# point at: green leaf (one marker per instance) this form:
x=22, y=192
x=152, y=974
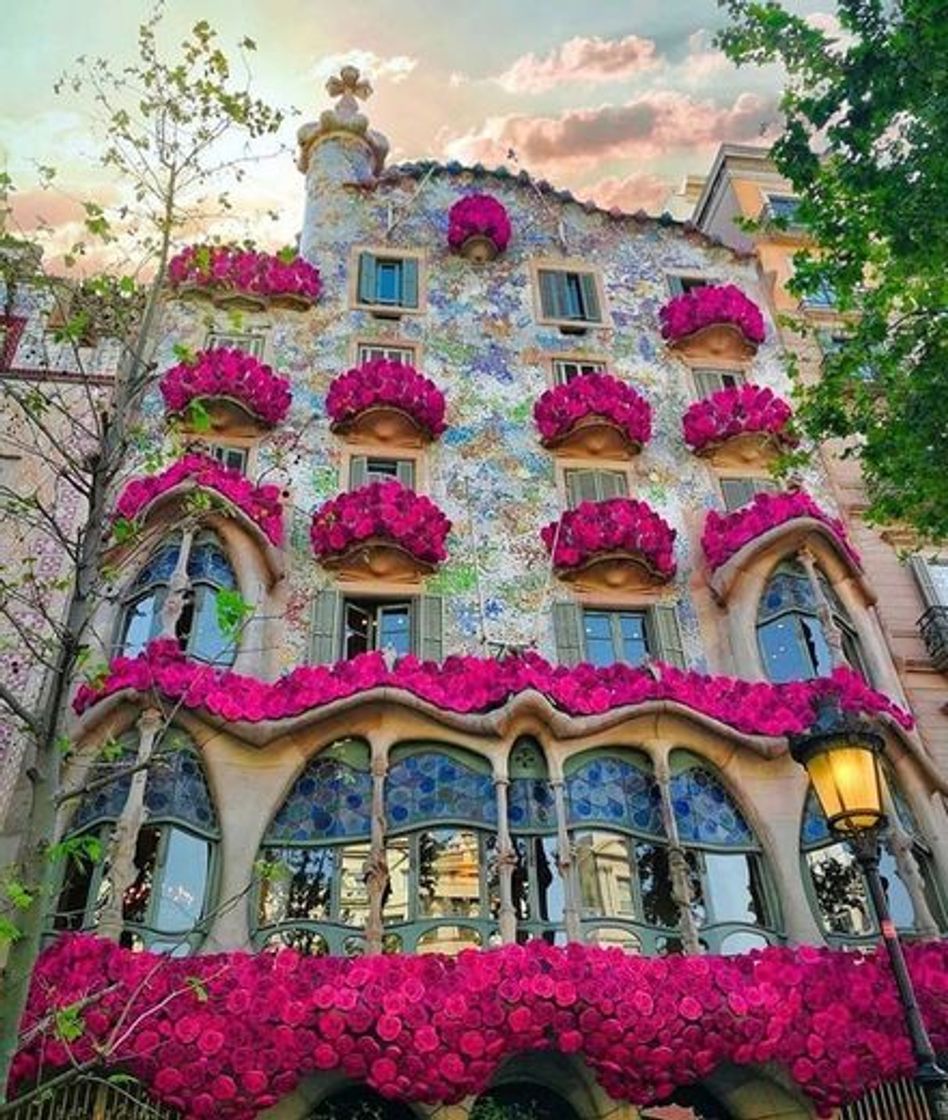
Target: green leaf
x=68, y=1023
x=198, y=416
x=123, y=530
x=198, y=987
x=232, y=611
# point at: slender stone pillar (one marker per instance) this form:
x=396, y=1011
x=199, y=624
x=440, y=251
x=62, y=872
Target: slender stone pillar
x=677, y=861
x=565, y=860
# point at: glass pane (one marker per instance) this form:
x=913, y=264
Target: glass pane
x=605, y=875
x=659, y=907
x=840, y=890
x=381, y=470
x=531, y=804
x=597, y=628
x=142, y=622
x=520, y=879
x=705, y=812
x=549, y=884
x=607, y=936
x=160, y=567
x=330, y=800
x=299, y=887
x=176, y=787
x=733, y=890
x=183, y=882
x=206, y=641
x=573, y=291
x=938, y=574
x=449, y=873
x=135, y=901
x=429, y=786
x=358, y=626
x=395, y=898
x=388, y=281
x=784, y=654
x=208, y=561
x=394, y=629
x=448, y=939
x=74, y=896
x=742, y=942
x=304, y=941
x=818, y=650
x=634, y=643
x=613, y=791
x=900, y=901
x=353, y=890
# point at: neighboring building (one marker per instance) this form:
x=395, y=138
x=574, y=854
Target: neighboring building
x=410, y=801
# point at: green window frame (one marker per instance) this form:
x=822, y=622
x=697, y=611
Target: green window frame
x=365, y=469
x=569, y=296
x=251, y=342
x=566, y=369
x=710, y=381
x=388, y=281
x=662, y=631
x=681, y=283
x=328, y=623
x=588, y=485
x=737, y=492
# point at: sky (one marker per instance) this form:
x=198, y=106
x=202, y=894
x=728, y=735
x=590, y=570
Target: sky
x=615, y=99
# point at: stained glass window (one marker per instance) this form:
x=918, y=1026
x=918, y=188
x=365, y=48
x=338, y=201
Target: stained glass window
x=614, y=791
x=705, y=813
x=428, y=785
x=331, y=800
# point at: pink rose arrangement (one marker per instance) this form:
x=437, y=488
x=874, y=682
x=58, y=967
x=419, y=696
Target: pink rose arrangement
x=472, y=684
x=231, y=268
x=737, y=411
x=479, y=215
x=594, y=394
x=381, y=383
x=383, y=512
x=228, y=1035
x=615, y=525
x=262, y=504
x=230, y=374
x=712, y=305
x=726, y=533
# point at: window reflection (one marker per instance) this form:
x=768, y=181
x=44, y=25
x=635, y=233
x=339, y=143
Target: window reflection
x=840, y=890
x=605, y=877
x=183, y=881
x=448, y=939
x=449, y=874
x=353, y=893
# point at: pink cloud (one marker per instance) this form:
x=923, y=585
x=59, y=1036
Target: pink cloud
x=639, y=191
x=591, y=61
x=644, y=128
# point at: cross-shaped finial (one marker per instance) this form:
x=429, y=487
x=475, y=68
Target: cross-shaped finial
x=349, y=84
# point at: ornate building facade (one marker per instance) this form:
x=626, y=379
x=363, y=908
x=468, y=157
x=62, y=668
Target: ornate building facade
x=461, y=614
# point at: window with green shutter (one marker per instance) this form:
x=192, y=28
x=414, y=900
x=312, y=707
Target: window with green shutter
x=364, y=469
x=604, y=636
x=568, y=296
x=584, y=485
x=388, y=281
x=680, y=284
x=711, y=381
x=344, y=627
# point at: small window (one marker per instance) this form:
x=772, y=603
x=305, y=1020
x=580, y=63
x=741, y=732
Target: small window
x=932, y=575
x=594, y=486
x=681, y=285
x=823, y=298
x=249, y=341
x=565, y=369
x=569, y=297
x=234, y=458
x=388, y=281
x=370, y=624
x=346, y=626
x=783, y=208
x=711, y=381
x=737, y=492
x=611, y=636
x=374, y=352
x=365, y=469
x=604, y=636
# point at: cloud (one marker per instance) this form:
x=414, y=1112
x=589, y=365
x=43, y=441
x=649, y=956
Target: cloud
x=591, y=61
x=646, y=127
x=395, y=68
x=639, y=191
x=703, y=60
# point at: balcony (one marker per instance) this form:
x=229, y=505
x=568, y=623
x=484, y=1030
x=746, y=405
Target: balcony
x=933, y=626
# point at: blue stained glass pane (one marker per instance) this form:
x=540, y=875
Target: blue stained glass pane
x=430, y=786
x=106, y=802
x=177, y=789
x=704, y=812
x=615, y=792
x=159, y=567
x=142, y=621
x=531, y=806
x=815, y=829
x=329, y=801
x=208, y=561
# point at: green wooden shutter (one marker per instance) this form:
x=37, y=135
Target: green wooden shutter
x=708, y=382
x=409, y=282
x=581, y=486
x=324, y=627
x=591, y=311
x=568, y=633
x=675, y=285
x=358, y=471
x=429, y=641
x=406, y=472
x=612, y=484
x=553, y=302
x=667, y=635
x=367, y=288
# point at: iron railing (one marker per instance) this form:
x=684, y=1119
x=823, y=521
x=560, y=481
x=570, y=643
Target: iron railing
x=934, y=630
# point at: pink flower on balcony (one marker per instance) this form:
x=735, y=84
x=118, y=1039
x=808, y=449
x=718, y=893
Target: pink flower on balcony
x=245, y=271
x=262, y=504
x=384, y=384
x=743, y=410
x=617, y=525
x=232, y=375
x=725, y=533
x=382, y=512
x=713, y=305
x=479, y=215
x=560, y=409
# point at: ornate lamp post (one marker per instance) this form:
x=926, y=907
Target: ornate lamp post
x=841, y=753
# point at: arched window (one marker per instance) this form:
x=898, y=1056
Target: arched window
x=312, y=893
x=790, y=634
x=197, y=629
x=837, y=888
x=441, y=819
x=165, y=907
x=622, y=856
x=537, y=885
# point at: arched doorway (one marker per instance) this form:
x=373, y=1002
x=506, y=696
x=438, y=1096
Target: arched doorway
x=522, y=1100
x=358, y=1103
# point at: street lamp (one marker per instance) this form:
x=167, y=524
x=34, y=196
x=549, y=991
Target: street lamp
x=841, y=754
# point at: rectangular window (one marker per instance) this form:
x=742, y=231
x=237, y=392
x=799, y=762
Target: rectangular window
x=344, y=627
x=377, y=351
x=234, y=458
x=603, y=635
x=782, y=207
x=365, y=469
x=737, y=492
x=612, y=636
x=594, y=486
x=680, y=285
x=565, y=369
x=370, y=624
x=569, y=297
x=249, y=341
x=710, y=381
x=824, y=297
x=388, y=281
